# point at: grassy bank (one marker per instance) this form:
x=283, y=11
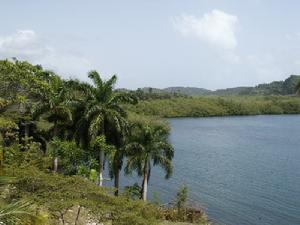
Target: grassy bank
x=218, y=106
x=59, y=199
x=57, y=196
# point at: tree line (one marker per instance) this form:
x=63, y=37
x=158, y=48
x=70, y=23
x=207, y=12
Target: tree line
x=83, y=127
x=218, y=106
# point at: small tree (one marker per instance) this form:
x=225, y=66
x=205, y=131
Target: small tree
x=71, y=155
x=181, y=198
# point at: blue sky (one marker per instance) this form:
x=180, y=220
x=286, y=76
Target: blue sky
x=200, y=43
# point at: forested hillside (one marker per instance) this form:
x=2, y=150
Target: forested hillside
x=286, y=87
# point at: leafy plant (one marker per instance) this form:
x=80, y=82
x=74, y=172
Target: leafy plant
x=181, y=198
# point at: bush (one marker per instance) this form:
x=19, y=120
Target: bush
x=69, y=153
x=57, y=194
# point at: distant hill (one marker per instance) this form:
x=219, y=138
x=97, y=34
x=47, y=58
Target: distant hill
x=232, y=91
x=190, y=91
x=286, y=87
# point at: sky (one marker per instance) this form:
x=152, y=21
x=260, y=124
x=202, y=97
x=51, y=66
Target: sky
x=211, y=44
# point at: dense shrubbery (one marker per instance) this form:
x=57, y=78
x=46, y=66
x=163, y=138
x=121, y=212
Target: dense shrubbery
x=218, y=106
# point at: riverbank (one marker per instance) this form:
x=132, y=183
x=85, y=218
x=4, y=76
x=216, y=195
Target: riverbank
x=218, y=106
x=59, y=199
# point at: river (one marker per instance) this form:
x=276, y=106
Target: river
x=241, y=170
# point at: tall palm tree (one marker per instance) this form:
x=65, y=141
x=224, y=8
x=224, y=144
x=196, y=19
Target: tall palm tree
x=53, y=105
x=149, y=147
x=105, y=115
x=79, y=97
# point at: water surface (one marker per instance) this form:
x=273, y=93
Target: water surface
x=242, y=170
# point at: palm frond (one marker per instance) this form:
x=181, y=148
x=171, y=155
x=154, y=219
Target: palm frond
x=17, y=213
x=93, y=110
x=164, y=163
x=96, y=126
x=39, y=109
x=5, y=180
x=134, y=164
x=124, y=98
x=95, y=77
x=109, y=85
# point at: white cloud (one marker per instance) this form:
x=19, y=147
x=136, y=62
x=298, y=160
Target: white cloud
x=22, y=44
x=27, y=45
x=215, y=27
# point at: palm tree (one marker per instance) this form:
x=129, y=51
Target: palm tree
x=80, y=95
x=53, y=105
x=149, y=147
x=106, y=116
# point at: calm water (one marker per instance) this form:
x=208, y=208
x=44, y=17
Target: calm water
x=241, y=170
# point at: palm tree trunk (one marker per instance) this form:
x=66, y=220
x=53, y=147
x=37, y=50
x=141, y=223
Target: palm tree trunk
x=117, y=181
x=117, y=167
x=1, y=154
x=1, y=160
x=101, y=159
x=55, y=167
x=145, y=186
x=142, y=190
x=26, y=129
x=55, y=162
x=147, y=173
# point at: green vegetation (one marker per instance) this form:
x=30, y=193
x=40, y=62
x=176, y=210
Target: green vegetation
x=218, y=106
x=181, y=198
x=56, y=139
x=279, y=97
x=55, y=195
